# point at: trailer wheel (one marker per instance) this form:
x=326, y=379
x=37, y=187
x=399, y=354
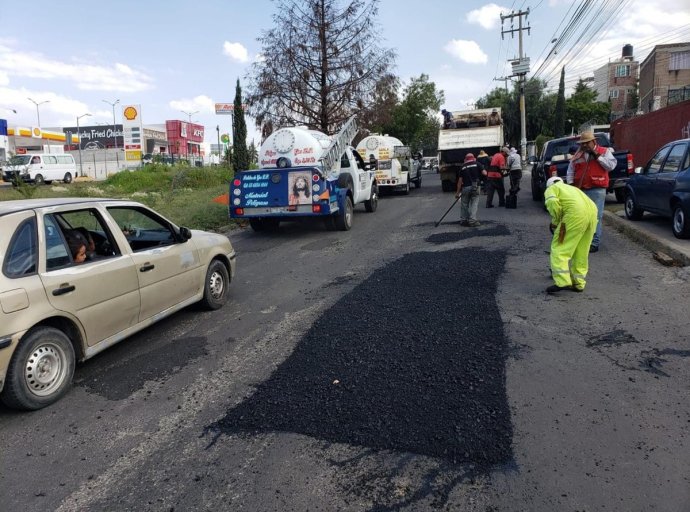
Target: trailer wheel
x=256, y=224
x=344, y=219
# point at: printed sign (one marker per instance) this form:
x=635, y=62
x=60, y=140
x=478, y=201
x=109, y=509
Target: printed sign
x=132, y=131
x=228, y=108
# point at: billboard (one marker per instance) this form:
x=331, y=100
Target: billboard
x=228, y=108
x=133, y=131
x=94, y=137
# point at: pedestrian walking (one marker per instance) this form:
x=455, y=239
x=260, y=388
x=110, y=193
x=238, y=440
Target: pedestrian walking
x=573, y=223
x=514, y=164
x=589, y=171
x=485, y=161
x=468, y=190
x=497, y=169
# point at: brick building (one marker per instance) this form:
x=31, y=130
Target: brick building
x=665, y=76
x=615, y=82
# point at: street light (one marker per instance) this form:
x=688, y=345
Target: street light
x=81, y=168
x=114, y=127
x=38, y=114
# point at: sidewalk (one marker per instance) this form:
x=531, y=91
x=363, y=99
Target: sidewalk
x=652, y=232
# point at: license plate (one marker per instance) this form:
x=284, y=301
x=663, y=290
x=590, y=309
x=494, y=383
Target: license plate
x=276, y=210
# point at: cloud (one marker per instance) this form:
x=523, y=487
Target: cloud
x=467, y=51
x=487, y=16
x=4, y=79
x=85, y=75
x=236, y=51
x=202, y=103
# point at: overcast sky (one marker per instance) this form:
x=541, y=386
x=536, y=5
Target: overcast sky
x=178, y=56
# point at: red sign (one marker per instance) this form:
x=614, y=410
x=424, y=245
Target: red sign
x=228, y=108
x=132, y=146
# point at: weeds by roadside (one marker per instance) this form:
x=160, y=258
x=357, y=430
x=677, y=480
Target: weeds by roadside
x=183, y=194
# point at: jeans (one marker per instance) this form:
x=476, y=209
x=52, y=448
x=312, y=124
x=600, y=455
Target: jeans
x=469, y=201
x=598, y=196
x=496, y=184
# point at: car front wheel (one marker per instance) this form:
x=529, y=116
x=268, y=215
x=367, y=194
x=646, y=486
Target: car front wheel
x=216, y=286
x=632, y=211
x=681, y=222
x=40, y=371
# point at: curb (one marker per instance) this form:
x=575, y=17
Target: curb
x=644, y=238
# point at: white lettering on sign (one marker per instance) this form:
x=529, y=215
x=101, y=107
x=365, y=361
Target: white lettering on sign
x=198, y=133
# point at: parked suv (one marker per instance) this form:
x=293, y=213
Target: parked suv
x=663, y=187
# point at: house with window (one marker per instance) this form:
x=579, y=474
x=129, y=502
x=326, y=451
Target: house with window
x=665, y=76
x=615, y=82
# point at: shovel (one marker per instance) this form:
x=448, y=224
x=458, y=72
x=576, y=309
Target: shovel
x=447, y=211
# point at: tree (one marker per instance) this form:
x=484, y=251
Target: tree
x=414, y=120
x=583, y=108
x=253, y=153
x=320, y=63
x=240, y=156
x=377, y=115
x=559, y=115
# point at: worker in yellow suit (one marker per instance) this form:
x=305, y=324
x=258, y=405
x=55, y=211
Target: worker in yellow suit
x=573, y=223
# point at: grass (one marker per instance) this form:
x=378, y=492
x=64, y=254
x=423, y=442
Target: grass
x=183, y=194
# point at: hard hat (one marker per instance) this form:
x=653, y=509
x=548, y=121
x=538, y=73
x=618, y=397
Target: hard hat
x=553, y=180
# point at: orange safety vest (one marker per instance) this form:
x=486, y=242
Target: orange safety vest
x=590, y=174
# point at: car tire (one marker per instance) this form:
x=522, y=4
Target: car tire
x=344, y=219
x=40, y=371
x=632, y=210
x=67, y=178
x=216, y=286
x=38, y=180
x=680, y=222
x=372, y=203
x=620, y=195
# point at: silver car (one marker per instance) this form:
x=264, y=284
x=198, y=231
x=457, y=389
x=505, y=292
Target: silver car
x=79, y=275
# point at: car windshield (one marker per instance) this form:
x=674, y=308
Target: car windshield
x=20, y=160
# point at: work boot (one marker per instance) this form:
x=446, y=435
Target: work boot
x=474, y=223
x=554, y=288
x=593, y=248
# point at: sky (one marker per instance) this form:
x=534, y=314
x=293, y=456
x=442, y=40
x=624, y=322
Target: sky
x=173, y=57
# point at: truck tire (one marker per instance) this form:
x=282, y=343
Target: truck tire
x=257, y=224
x=372, y=203
x=620, y=195
x=407, y=187
x=537, y=194
x=40, y=371
x=344, y=219
x=447, y=186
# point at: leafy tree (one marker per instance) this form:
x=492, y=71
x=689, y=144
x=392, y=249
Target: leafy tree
x=320, y=63
x=377, y=115
x=559, y=115
x=414, y=120
x=583, y=108
x=240, y=157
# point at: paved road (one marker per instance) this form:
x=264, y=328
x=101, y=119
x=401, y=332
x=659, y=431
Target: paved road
x=393, y=367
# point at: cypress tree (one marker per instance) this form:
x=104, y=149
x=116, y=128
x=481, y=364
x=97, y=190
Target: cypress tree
x=240, y=155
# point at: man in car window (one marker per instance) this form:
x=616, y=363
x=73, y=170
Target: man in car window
x=589, y=171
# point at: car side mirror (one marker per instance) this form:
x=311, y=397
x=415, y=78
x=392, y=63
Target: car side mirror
x=638, y=170
x=185, y=233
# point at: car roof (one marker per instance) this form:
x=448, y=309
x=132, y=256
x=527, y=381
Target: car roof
x=18, y=205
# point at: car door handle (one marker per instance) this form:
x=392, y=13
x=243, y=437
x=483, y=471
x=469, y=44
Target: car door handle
x=146, y=267
x=64, y=289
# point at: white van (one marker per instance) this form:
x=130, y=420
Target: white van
x=40, y=168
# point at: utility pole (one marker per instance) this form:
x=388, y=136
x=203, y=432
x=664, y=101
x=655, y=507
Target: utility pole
x=504, y=79
x=520, y=69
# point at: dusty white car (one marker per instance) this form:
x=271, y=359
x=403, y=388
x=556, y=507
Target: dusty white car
x=79, y=275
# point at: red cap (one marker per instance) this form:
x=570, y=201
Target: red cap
x=469, y=157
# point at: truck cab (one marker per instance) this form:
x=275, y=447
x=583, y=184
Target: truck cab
x=392, y=162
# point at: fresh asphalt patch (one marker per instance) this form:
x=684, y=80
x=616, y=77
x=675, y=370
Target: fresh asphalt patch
x=411, y=360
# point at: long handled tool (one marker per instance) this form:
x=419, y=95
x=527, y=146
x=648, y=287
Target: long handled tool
x=447, y=211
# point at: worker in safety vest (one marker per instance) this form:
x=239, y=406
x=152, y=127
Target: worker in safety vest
x=589, y=171
x=573, y=222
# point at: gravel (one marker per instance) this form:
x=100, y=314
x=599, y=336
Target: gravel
x=403, y=362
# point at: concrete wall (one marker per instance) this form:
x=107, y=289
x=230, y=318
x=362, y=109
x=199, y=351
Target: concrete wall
x=644, y=135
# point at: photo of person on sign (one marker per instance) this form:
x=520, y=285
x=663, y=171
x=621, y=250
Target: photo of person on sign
x=300, y=188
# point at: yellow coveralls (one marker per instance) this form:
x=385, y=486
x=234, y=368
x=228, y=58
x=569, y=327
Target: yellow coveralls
x=570, y=207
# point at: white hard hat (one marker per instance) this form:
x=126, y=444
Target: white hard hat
x=553, y=180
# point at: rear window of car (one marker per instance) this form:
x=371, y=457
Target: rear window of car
x=22, y=254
